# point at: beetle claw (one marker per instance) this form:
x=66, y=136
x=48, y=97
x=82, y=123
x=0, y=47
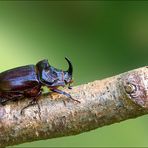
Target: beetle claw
x=75, y=100
x=69, y=87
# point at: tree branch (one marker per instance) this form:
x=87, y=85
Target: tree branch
x=103, y=102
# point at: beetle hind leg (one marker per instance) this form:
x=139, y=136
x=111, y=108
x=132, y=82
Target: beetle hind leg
x=3, y=101
x=10, y=97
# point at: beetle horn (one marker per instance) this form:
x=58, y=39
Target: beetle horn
x=70, y=69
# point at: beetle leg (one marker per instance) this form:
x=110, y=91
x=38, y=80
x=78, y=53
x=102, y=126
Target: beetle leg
x=3, y=101
x=34, y=101
x=64, y=93
x=31, y=103
x=10, y=97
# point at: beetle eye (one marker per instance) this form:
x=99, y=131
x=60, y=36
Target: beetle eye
x=46, y=68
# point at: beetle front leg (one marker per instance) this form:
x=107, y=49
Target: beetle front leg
x=64, y=93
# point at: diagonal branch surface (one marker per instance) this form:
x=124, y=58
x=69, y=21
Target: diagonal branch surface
x=103, y=102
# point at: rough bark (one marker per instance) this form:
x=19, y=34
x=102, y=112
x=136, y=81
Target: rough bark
x=103, y=102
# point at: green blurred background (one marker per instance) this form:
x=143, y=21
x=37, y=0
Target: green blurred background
x=102, y=39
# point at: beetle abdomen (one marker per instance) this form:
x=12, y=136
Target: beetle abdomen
x=18, y=79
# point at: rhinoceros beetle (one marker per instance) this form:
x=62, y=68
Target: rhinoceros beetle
x=26, y=81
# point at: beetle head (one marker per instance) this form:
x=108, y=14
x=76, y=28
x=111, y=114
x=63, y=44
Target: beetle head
x=52, y=77
x=62, y=78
